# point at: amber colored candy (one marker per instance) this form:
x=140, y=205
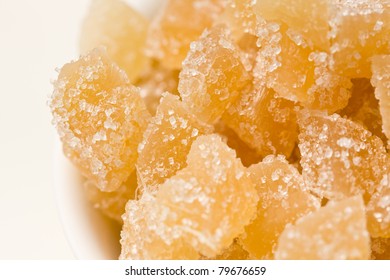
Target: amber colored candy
x=381, y=81
x=99, y=117
x=264, y=122
x=209, y=202
x=112, y=204
x=380, y=248
x=139, y=238
x=309, y=18
x=122, y=30
x=339, y=157
x=378, y=211
x=234, y=252
x=287, y=64
x=167, y=141
x=336, y=231
x=283, y=198
x=358, y=31
x=178, y=24
x=213, y=76
x=154, y=82
x=363, y=108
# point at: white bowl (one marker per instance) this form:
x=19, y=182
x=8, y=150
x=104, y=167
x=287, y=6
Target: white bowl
x=90, y=234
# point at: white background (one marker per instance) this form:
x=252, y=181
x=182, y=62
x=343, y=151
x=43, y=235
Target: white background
x=35, y=37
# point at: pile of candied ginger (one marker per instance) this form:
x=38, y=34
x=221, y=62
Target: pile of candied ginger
x=234, y=129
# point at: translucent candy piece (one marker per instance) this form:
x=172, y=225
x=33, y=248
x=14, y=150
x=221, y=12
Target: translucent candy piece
x=283, y=198
x=247, y=155
x=112, y=204
x=167, y=142
x=180, y=23
x=339, y=157
x=154, y=82
x=209, y=202
x=115, y=25
x=334, y=232
x=378, y=211
x=287, y=64
x=264, y=122
x=234, y=252
x=99, y=117
x=359, y=30
x=310, y=18
x=213, y=76
x=363, y=108
x=140, y=241
x=381, y=81
x=380, y=248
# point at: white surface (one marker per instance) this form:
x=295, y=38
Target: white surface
x=35, y=37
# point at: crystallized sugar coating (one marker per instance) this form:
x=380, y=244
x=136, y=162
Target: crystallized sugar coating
x=140, y=241
x=178, y=24
x=283, y=198
x=359, y=30
x=339, y=157
x=122, y=30
x=363, y=108
x=209, y=202
x=112, y=204
x=99, y=117
x=212, y=77
x=381, y=81
x=167, y=141
x=264, y=122
x=334, y=232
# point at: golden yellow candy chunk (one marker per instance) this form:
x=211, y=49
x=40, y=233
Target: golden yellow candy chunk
x=359, y=30
x=283, y=198
x=209, y=202
x=378, y=211
x=180, y=23
x=380, y=248
x=154, y=82
x=363, y=108
x=381, y=81
x=339, y=157
x=336, y=231
x=140, y=239
x=309, y=18
x=167, y=142
x=234, y=252
x=264, y=122
x=115, y=25
x=112, y=204
x=287, y=64
x=100, y=118
x=213, y=76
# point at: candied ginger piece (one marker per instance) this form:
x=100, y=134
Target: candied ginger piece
x=115, y=25
x=154, y=82
x=381, y=81
x=363, y=108
x=359, y=30
x=209, y=202
x=380, y=248
x=167, y=141
x=213, y=76
x=309, y=18
x=378, y=211
x=283, y=198
x=339, y=157
x=296, y=72
x=336, y=231
x=99, y=117
x=234, y=252
x=140, y=240
x=264, y=122
x=112, y=204
x=178, y=24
